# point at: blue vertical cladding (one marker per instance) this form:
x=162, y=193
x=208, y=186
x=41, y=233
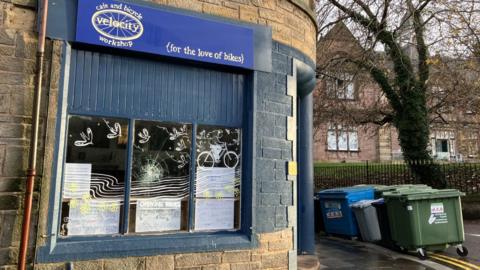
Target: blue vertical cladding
x=119, y=85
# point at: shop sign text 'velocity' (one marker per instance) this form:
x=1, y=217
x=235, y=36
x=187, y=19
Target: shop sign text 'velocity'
x=144, y=29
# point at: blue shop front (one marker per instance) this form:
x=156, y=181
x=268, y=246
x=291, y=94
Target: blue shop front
x=176, y=132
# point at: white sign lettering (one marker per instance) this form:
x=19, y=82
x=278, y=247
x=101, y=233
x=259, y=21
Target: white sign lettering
x=155, y=215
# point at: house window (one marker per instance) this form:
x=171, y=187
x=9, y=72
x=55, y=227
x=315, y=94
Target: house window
x=342, y=138
x=443, y=144
x=128, y=176
x=341, y=86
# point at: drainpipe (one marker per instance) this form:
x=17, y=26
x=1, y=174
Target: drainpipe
x=32, y=158
x=305, y=85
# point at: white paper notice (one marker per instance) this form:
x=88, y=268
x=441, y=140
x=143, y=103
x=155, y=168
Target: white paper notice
x=214, y=214
x=154, y=215
x=215, y=182
x=93, y=216
x=77, y=180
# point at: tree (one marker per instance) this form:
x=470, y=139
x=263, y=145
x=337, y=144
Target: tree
x=404, y=31
x=460, y=20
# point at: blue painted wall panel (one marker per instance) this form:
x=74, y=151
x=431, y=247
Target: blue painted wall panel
x=114, y=85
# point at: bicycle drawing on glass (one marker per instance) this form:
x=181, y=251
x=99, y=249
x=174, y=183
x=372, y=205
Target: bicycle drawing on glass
x=214, y=156
x=218, y=152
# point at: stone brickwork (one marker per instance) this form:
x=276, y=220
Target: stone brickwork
x=385, y=143
x=272, y=254
x=275, y=106
x=290, y=24
x=17, y=68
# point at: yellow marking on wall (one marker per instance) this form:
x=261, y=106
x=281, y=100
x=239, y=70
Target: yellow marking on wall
x=292, y=168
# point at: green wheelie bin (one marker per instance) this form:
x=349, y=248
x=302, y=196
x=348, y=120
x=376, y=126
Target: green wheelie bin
x=424, y=220
x=382, y=215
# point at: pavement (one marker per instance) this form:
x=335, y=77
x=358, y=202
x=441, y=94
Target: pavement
x=339, y=253
x=472, y=242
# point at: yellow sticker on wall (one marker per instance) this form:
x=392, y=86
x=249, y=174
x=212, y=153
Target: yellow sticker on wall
x=292, y=168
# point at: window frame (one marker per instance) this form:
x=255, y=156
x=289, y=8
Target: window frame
x=58, y=248
x=337, y=92
x=343, y=129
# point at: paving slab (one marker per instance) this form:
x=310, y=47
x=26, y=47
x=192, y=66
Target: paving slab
x=337, y=253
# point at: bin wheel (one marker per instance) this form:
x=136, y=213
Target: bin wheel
x=422, y=254
x=462, y=251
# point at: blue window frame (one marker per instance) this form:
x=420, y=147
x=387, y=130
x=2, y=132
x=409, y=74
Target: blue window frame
x=122, y=93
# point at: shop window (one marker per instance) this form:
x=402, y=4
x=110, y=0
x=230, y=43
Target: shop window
x=132, y=179
x=94, y=176
x=149, y=167
x=160, y=186
x=342, y=138
x=217, y=185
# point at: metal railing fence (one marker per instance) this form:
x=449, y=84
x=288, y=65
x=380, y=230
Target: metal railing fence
x=462, y=176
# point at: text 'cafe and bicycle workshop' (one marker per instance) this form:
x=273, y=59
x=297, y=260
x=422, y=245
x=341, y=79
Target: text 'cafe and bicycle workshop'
x=173, y=134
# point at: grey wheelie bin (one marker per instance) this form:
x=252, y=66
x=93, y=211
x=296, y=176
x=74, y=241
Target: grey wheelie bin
x=367, y=220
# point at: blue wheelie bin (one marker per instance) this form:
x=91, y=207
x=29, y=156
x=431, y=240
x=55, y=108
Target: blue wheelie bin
x=337, y=215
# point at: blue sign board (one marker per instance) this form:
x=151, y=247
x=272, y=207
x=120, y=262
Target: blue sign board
x=138, y=28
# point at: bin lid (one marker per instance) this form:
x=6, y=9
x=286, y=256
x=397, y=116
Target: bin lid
x=383, y=190
x=344, y=192
x=420, y=194
x=405, y=186
x=365, y=203
x=368, y=185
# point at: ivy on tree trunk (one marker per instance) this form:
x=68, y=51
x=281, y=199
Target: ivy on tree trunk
x=406, y=89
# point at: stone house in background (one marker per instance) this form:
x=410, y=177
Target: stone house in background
x=343, y=93
x=168, y=140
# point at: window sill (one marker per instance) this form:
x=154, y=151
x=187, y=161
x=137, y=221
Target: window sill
x=92, y=248
x=343, y=151
x=343, y=99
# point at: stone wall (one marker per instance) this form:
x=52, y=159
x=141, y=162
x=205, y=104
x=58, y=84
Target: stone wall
x=290, y=24
x=271, y=254
x=17, y=66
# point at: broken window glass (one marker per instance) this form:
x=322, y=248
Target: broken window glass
x=160, y=184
